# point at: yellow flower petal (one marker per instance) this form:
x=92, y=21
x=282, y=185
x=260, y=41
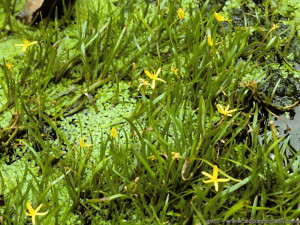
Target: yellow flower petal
x=207, y=174
x=230, y=111
x=180, y=13
x=81, y=143
x=39, y=207
x=216, y=186
x=223, y=180
x=157, y=72
x=113, y=132
x=215, y=172
x=41, y=214
x=207, y=181
x=220, y=108
x=32, y=43
x=161, y=80
x=29, y=207
x=153, y=84
x=220, y=18
x=210, y=41
x=149, y=74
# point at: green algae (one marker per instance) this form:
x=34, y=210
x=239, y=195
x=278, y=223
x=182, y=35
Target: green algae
x=8, y=48
x=110, y=114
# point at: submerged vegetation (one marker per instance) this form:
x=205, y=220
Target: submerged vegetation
x=149, y=112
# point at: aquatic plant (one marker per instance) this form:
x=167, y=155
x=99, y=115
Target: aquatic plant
x=86, y=129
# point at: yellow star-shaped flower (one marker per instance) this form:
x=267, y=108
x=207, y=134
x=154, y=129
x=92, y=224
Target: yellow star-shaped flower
x=175, y=71
x=154, y=77
x=26, y=44
x=9, y=64
x=225, y=111
x=220, y=18
x=214, y=178
x=275, y=26
x=143, y=83
x=176, y=155
x=33, y=213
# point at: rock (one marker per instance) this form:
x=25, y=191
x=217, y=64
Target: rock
x=30, y=7
x=43, y=7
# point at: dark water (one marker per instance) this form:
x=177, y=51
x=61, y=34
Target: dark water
x=286, y=92
x=294, y=125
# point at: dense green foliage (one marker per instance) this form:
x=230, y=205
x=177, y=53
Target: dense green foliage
x=93, y=71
